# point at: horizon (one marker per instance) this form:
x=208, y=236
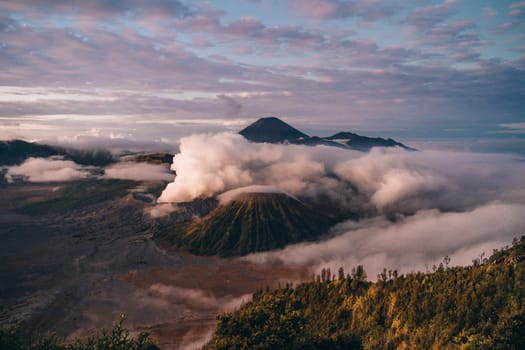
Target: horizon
x=441, y=74
x=122, y=146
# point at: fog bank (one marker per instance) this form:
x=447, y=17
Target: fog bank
x=411, y=243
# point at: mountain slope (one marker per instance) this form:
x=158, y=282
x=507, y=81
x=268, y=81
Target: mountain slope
x=251, y=222
x=475, y=307
x=17, y=151
x=271, y=130
x=364, y=143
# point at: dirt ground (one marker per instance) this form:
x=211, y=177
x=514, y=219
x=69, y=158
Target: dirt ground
x=71, y=269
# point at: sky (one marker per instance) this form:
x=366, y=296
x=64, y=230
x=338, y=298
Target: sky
x=448, y=73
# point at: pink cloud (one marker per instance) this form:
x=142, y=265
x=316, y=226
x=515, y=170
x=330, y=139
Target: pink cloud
x=320, y=9
x=489, y=12
x=368, y=10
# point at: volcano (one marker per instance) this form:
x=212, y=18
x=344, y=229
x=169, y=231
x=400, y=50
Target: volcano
x=249, y=222
x=272, y=130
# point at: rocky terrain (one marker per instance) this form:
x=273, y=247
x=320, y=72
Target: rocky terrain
x=249, y=222
x=77, y=255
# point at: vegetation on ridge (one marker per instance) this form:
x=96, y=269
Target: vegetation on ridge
x=476, y=307
x=117, y=339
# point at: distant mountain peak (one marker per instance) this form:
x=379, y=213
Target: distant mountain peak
x=274, y=130
x=270, y=119
x=271, y=129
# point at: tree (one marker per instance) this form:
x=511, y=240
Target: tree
x=484, y=310
x=446, y=261
x=360, y=273
x=117, y=339
x=341, y=273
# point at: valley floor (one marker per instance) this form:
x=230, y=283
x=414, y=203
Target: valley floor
x=72, y=269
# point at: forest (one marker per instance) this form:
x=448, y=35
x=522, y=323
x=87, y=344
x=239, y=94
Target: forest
x=481, y=306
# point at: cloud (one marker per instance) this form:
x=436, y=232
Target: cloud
x=228, y=196
x=517, y=5
x=196, y=337
x=425, y=18
x=390, y=181
x=52, y=169
x=410, y=243
x=102, y=8
x=388, y=177
x=138, y=172
x=371, y=10
x=212, y=163
x=197, y=297
x=507, y=27
x=489, y=12
x=514, y=19
x=56, y=169
x=401, y=181
x=517, y=128
x=233, y=108
x=458, y=39
x=103, y=139
x=161, y=210
x=251, y=36
x=194, y=297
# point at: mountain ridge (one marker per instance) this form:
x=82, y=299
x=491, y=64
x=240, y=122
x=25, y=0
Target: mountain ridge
x=274, y=130
x=472, y=307
x=16, y=151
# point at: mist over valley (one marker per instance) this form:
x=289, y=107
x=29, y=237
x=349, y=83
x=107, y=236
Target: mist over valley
x=172, y=240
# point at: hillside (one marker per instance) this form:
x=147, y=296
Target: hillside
x=251, y=222
x=17, y=151
x=476, y=307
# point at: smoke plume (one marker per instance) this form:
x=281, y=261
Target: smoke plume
x=209, y=164
x=389, y=180
x=138, y=172
x=421, y=206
